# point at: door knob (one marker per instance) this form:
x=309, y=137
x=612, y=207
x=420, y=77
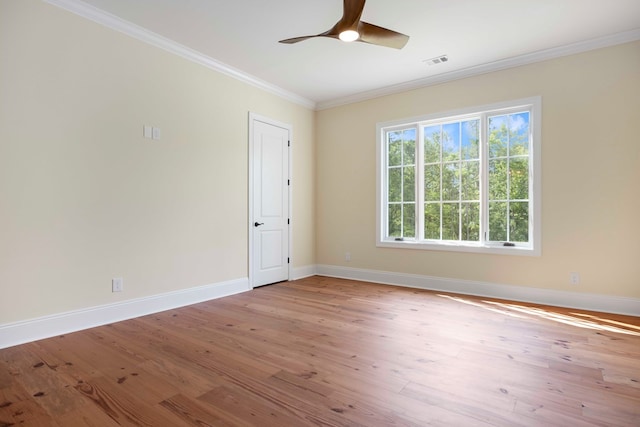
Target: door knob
x=258, y=224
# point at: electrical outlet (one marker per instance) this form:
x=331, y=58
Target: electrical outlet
x=117, y=284
x=347, y=256
x=574, y=278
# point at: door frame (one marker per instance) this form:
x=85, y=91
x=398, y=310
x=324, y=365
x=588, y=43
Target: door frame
x=253, y=117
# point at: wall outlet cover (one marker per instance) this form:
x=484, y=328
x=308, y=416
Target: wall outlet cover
x=117, y=284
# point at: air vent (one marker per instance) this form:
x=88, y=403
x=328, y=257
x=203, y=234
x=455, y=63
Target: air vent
x=437, y=60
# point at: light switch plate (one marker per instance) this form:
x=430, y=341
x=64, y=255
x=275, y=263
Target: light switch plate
x=117, y=284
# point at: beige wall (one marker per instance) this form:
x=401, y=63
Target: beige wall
x=84, y=197
x=590, y=174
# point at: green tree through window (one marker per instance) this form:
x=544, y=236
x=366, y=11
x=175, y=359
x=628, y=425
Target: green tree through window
x=401, y=152
x=509, y=177
x=452, y=181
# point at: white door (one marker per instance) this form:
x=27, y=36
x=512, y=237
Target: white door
x=269, y=204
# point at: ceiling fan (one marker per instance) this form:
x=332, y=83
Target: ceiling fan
x=350, y=28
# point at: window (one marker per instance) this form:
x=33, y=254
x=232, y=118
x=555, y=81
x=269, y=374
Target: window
x=467, y=180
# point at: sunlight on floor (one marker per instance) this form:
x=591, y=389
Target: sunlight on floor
x=580, y=320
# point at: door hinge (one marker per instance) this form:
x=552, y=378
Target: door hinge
x=288, y=182
x=288, y=260
x=288, y=143
x=288, y=220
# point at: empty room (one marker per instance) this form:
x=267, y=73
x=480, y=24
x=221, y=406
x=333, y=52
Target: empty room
x=319, y=213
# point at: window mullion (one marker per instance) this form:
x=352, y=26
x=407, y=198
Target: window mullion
x=419, y=183
x=441, y=179
x=385, y=179
x=508, y=177
x=402, y=198
x=484, y=179
x=459, y=180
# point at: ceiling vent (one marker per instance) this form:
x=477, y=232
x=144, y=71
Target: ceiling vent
x=440, y=59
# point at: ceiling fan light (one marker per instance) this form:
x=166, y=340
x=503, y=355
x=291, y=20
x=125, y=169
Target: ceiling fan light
x=349, y=36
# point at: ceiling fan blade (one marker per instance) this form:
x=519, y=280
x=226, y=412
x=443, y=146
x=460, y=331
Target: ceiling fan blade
x=296, y=39
x=329, y=34
x=352, y=11
x=373, y=34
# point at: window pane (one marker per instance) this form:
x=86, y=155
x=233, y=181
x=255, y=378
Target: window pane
x=450, y=221
x=470, y=140
x=497, y=221
x=519, y=176
x=395, y=220
x=470, y=180
x=519, y=134
x=432, y=183
x=409, y=147
x=451, y=142
x=409, y=216
x=395, y=185
x=470, y=222
x=451, y=182
x=432, y=144
x=395, y=148
x=498, y=179
x=409, y=184
x=432, y=221
x=519, y=222
x=498, y=136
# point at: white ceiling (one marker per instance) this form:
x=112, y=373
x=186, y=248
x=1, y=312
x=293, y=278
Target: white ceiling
x=477, y=35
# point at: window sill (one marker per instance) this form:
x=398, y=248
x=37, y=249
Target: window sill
x=460, y=247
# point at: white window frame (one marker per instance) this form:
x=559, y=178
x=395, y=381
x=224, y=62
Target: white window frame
x=532, y=248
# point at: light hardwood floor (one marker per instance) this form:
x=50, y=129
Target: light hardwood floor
x=331, y=352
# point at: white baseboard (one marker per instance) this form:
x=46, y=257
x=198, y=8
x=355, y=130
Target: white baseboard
x=63, y=323
x=49, y=326
x=577, y=300
x=302, y=272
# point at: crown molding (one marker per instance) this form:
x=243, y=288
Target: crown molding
x=118, y=24
x=99, y=16
x=516, y=61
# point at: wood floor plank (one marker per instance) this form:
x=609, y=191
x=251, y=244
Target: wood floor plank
x=331, y=352
x=251, y=409
x=193, y=412
x=87, y=416
x=410, y=410
x=124, y=407
x=42, y=383
x=490, y=410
